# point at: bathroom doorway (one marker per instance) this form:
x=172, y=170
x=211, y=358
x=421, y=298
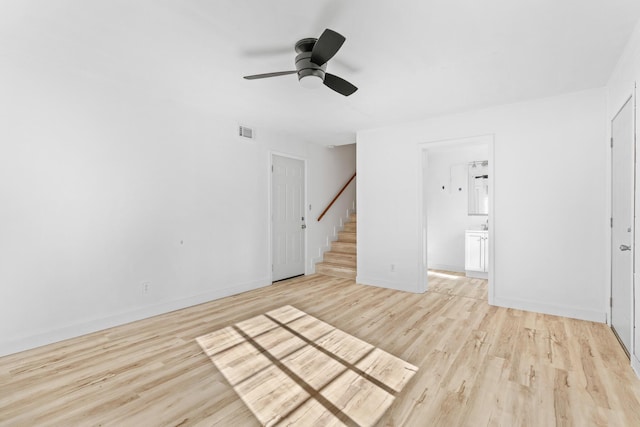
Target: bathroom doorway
x=457, y=186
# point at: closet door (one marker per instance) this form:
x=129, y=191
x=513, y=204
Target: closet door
x=288, y=224
x=622, y=179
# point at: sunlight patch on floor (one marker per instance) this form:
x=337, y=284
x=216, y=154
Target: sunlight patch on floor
x=445, y=275
x=290, y=368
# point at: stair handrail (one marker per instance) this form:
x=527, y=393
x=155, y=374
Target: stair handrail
x=336, y=198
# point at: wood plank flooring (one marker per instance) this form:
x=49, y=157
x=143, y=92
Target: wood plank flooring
x=293, y=369
x=478, y=365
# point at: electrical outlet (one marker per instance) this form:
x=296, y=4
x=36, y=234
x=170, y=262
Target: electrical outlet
x=393, y=268
x=145, y=288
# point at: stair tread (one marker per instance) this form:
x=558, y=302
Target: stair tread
x=344, y=247
x=336, y=270
x=341, y=260
x=341, y=254
x=332, y=264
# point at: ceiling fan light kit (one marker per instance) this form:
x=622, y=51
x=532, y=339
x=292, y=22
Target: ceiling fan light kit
x=311, y=64
x=310, y=74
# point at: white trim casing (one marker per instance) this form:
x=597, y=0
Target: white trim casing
x=635, y=365
x=489, y=140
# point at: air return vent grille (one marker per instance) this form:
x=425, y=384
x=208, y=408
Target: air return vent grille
x=245, y=132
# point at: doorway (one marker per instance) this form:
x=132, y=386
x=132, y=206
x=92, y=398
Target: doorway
x=449, y=223
x=622, y=220
x=287, y=217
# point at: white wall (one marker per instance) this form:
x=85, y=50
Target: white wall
x=549, y=218
x=620, y=86
x=625, y=74
x=447, y=209
x=106, y=186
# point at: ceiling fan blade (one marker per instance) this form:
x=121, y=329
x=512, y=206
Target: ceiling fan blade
x=338, y=84
x=327, y=45
x=266, y=75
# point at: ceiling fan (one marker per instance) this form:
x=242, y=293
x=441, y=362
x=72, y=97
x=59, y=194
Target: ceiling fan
x=311, y=64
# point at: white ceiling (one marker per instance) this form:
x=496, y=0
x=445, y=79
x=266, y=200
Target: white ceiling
x=410, y=59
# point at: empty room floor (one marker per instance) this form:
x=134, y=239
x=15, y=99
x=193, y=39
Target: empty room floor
x=476, y=364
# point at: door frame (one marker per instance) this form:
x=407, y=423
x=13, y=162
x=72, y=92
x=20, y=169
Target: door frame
x=631, y=101
x=635, y=309
x=423, y=148
x=270, y=208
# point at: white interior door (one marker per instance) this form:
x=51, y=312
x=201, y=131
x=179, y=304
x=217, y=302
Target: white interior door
x=288, y=221
x=622, y=131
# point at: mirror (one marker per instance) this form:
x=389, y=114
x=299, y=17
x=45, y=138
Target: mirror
x=478, y=173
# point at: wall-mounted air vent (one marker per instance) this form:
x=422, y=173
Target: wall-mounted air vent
x=246, y=132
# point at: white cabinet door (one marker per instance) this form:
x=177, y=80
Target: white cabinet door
x=474, y=252
x=485, y=253
x=476, y=247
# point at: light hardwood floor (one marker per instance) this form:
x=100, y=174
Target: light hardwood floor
x=478, y=365
x=291, y=368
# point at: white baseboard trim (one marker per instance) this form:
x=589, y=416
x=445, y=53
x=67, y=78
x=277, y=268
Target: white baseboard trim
x=477, y=274
x=95, y=325
x=552, y=309
x=383, y=283
x=312, y=265
x=635, y=365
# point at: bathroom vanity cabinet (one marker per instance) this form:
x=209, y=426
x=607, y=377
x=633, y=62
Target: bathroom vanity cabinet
x=476, y=249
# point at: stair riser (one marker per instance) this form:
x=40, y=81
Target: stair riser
x=345, y=247
x=350, y=226
x=345, y=236
x=335, y=272
x=342, y=259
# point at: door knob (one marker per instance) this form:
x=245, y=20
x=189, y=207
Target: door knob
x=625, y=247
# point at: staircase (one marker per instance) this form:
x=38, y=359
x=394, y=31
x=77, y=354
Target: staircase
x=340, y=261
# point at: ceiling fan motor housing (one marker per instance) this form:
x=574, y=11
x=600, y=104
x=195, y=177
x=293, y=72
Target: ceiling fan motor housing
x=307, y=68
x=304, y=66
